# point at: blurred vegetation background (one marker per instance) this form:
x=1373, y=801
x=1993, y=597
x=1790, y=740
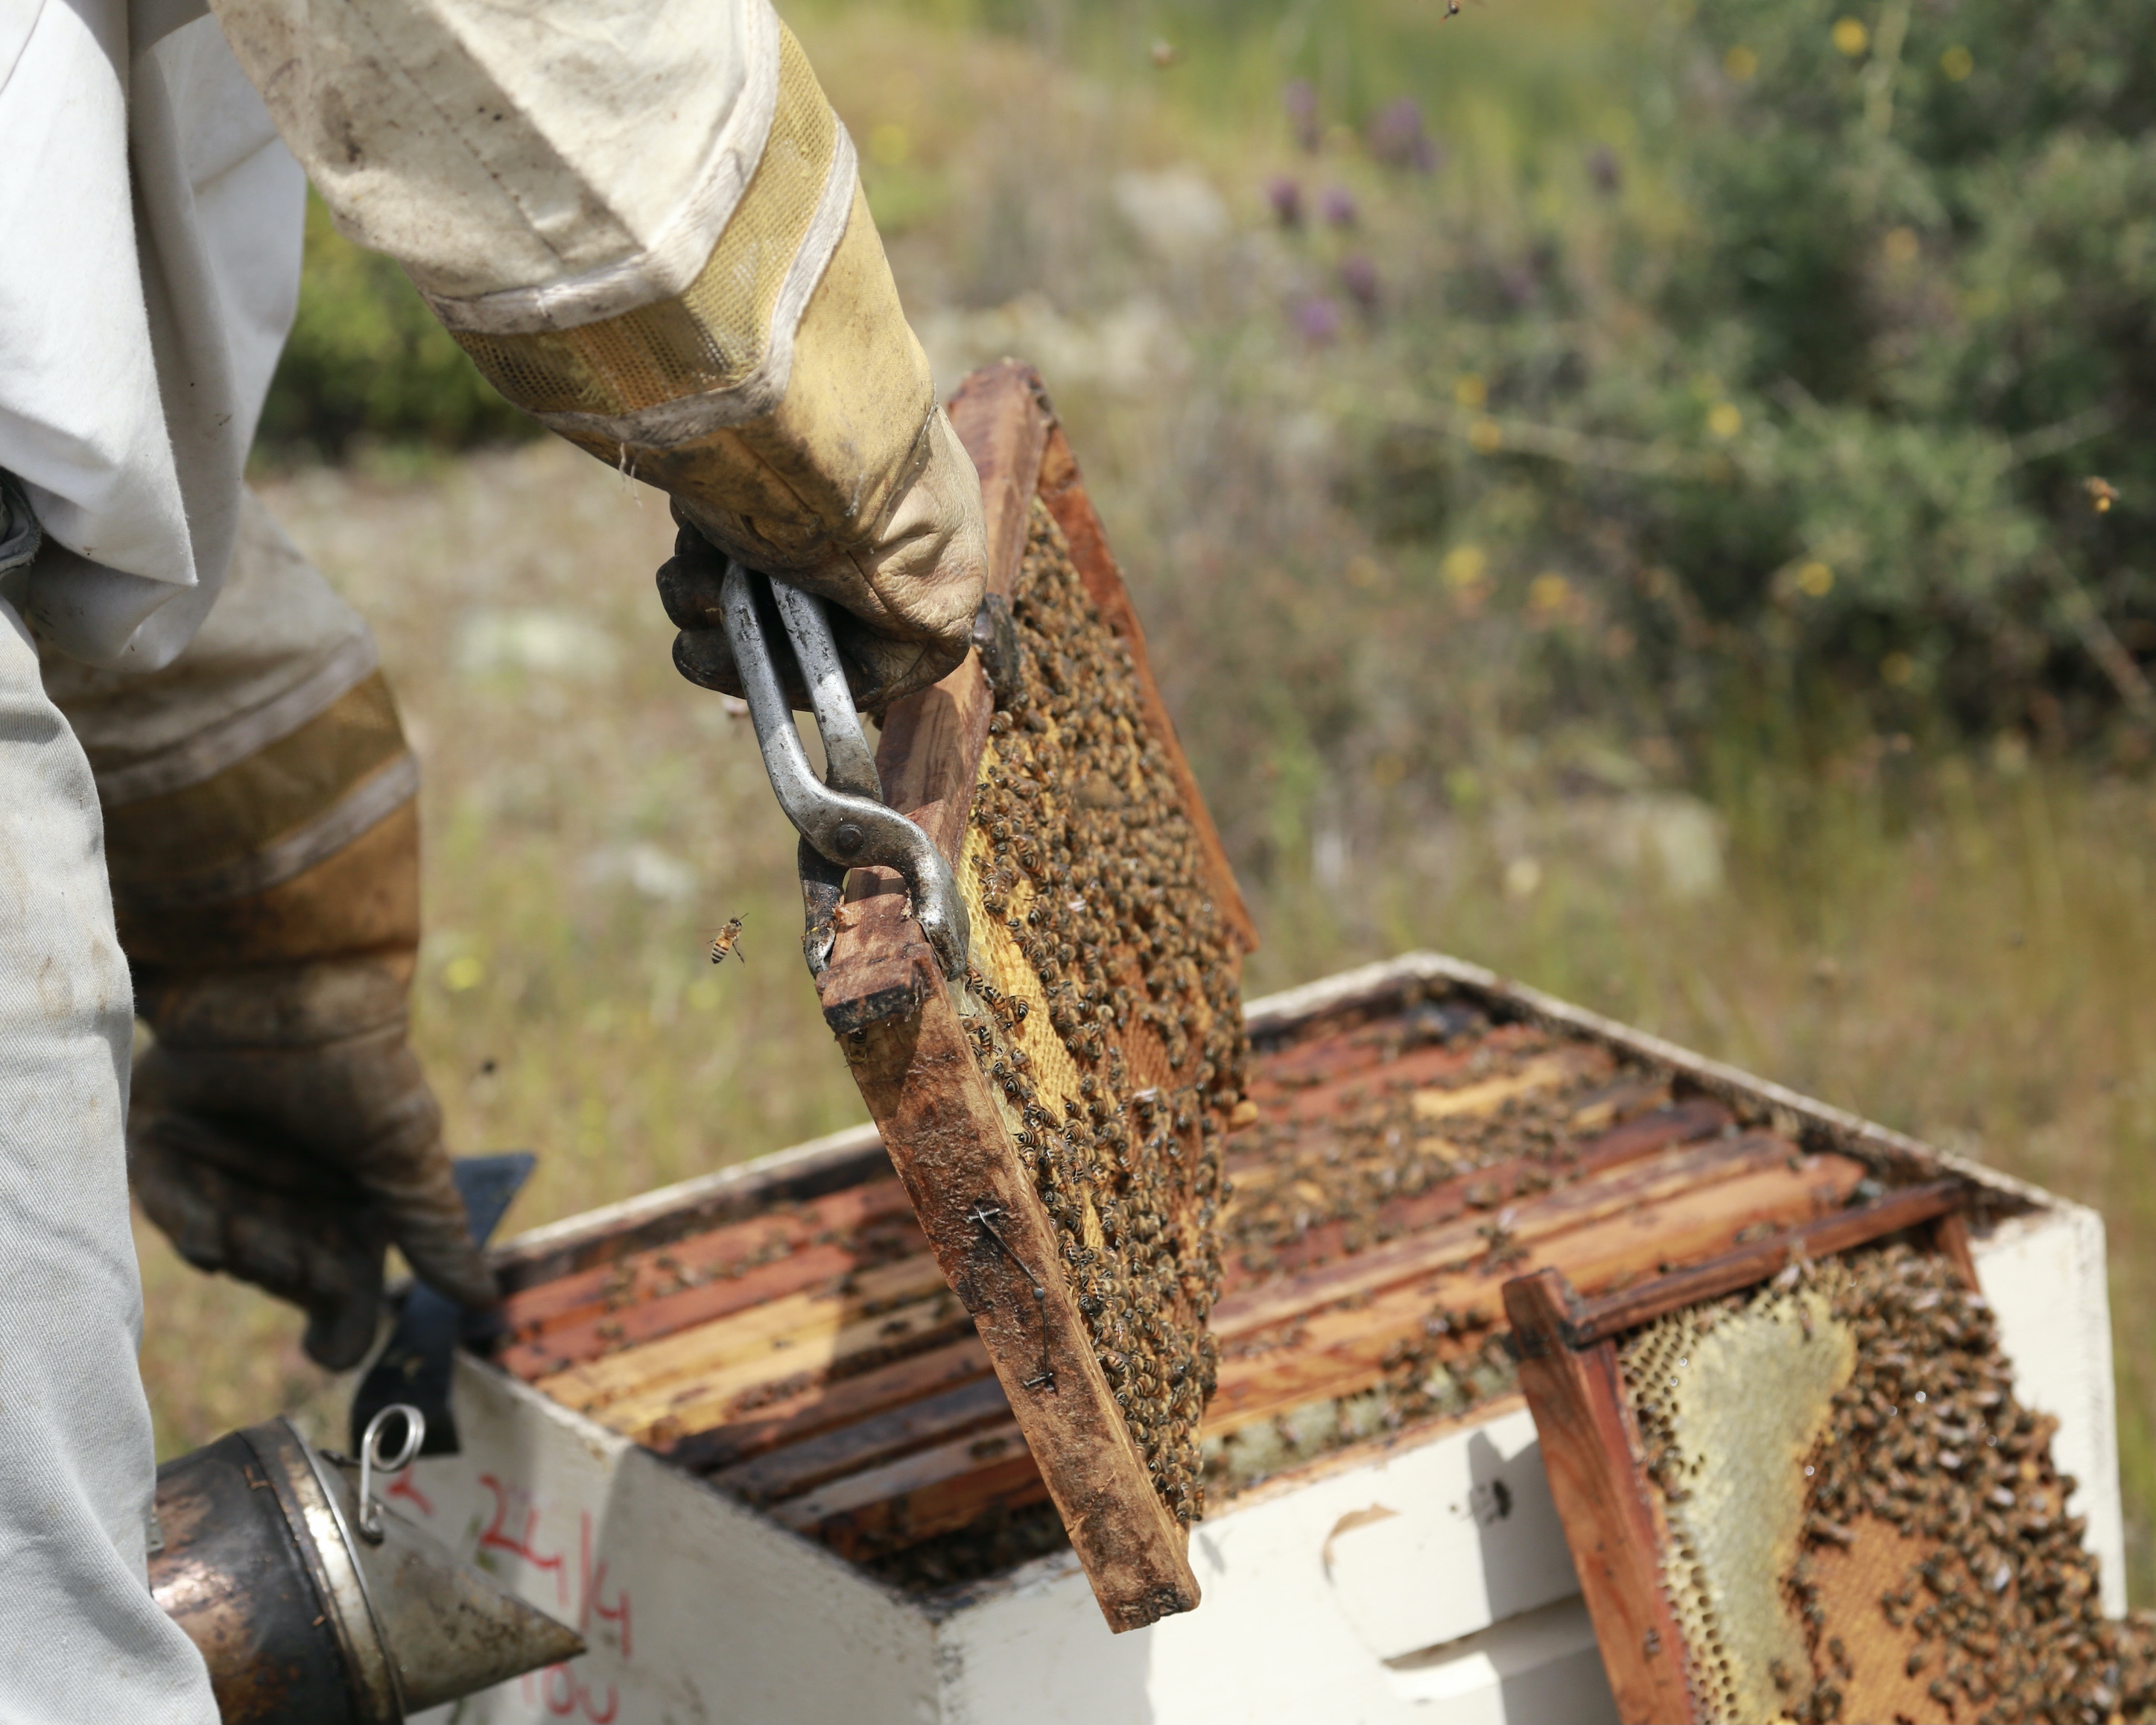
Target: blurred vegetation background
x=1647, y=498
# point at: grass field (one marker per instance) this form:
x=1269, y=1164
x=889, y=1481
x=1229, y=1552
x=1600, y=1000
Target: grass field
x=1959, y=945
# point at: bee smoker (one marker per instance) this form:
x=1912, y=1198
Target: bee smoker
x=313, y=1603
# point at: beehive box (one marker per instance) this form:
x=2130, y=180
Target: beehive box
x=745, y=1440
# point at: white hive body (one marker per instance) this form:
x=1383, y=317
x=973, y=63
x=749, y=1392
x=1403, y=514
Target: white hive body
x=1419, y=1576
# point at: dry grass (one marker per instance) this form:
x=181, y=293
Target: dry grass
x=1966, y=950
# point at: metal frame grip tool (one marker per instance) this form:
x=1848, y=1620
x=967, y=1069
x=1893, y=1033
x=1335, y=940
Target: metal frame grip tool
x=842, y=818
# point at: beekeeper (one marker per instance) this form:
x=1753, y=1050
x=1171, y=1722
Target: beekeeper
x=643, y=222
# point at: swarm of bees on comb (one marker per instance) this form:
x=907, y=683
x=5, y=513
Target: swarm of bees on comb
x=1107, y=1013
x=1933, y=1571
x=1292, y=1175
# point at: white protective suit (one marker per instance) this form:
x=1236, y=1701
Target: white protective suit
x=642, y=220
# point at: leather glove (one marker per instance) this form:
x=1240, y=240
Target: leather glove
x=781, y=403
x=281, y=1130
x=903, y=594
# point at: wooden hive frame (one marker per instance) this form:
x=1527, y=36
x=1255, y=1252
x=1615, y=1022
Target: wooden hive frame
x=1591, y=1442
x=906, y=1038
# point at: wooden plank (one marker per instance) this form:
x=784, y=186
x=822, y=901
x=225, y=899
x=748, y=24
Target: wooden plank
x=1673, y=1173
x=823, y=1405
x=901, y=1032
x=1679, y=1123
x=1489, y=1094
x=1748, y=1265
x=929, y=753
x=859, y=1447
x=936, y=1491
x=1590, y=1445
x=1950, y=1240
x=1319, y=1091
x=1345, y=1350
x=881, y=965
x=868, y=1443
x=825, y=1326
x=813, y=1270
x=1485, y=1189
x=925, y=1091
x=728, y=1251
x=1064, y=491
x=929, y=758
x=653, y=1220
x=1002, y=416
x=1361, y=1055
x=698, y=1401
x=1682, y=1206
x=1590, y=1451
x=1414, y=1080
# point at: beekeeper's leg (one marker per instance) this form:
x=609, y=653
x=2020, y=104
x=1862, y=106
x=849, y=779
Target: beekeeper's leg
x=265, y=852
x=81, y=1639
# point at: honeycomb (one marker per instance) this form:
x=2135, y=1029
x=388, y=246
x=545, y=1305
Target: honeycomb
x=1103, y=1002
x=1863, y=1521
x=1729, y=1406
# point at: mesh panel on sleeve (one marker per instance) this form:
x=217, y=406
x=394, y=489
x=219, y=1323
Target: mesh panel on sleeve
x=716, y=332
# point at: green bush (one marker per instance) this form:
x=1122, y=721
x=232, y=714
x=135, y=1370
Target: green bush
x=1871, y=415
x=367, y=360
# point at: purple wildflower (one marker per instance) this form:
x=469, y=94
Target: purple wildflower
x=1318, y=320
x=1284, y=193
x=1338, y=206
x=1397, y=137
x=1358, y=276
x=1300, y=99
x=1605, y=169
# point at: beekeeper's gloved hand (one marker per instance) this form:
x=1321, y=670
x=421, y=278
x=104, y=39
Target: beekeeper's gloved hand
x=654, y=239
x=779, y=399
x=905, y=598
x=262, y=836
x=282, y=1131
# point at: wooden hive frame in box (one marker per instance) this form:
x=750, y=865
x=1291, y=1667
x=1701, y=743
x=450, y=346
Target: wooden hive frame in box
x=801, y=1351
x=1921, y=1566
x=1057, y=1121
x=1598, y=1467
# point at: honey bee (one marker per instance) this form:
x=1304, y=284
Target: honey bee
x=728, y=940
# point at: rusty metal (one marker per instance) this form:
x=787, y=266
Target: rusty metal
x=234, y=1577
x=300, y=1622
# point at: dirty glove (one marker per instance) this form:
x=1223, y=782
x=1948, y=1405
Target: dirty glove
x=826, y=463
x=262, y=836
x=654, y=239
x=904, y=599
x=282, y=1131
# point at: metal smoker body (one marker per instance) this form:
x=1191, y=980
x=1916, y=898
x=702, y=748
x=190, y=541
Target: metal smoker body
x=312, y=1604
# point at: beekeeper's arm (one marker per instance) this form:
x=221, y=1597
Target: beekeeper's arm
x=643, y=221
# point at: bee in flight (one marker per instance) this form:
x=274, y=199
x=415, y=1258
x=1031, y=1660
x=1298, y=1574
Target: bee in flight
x=727, y=940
